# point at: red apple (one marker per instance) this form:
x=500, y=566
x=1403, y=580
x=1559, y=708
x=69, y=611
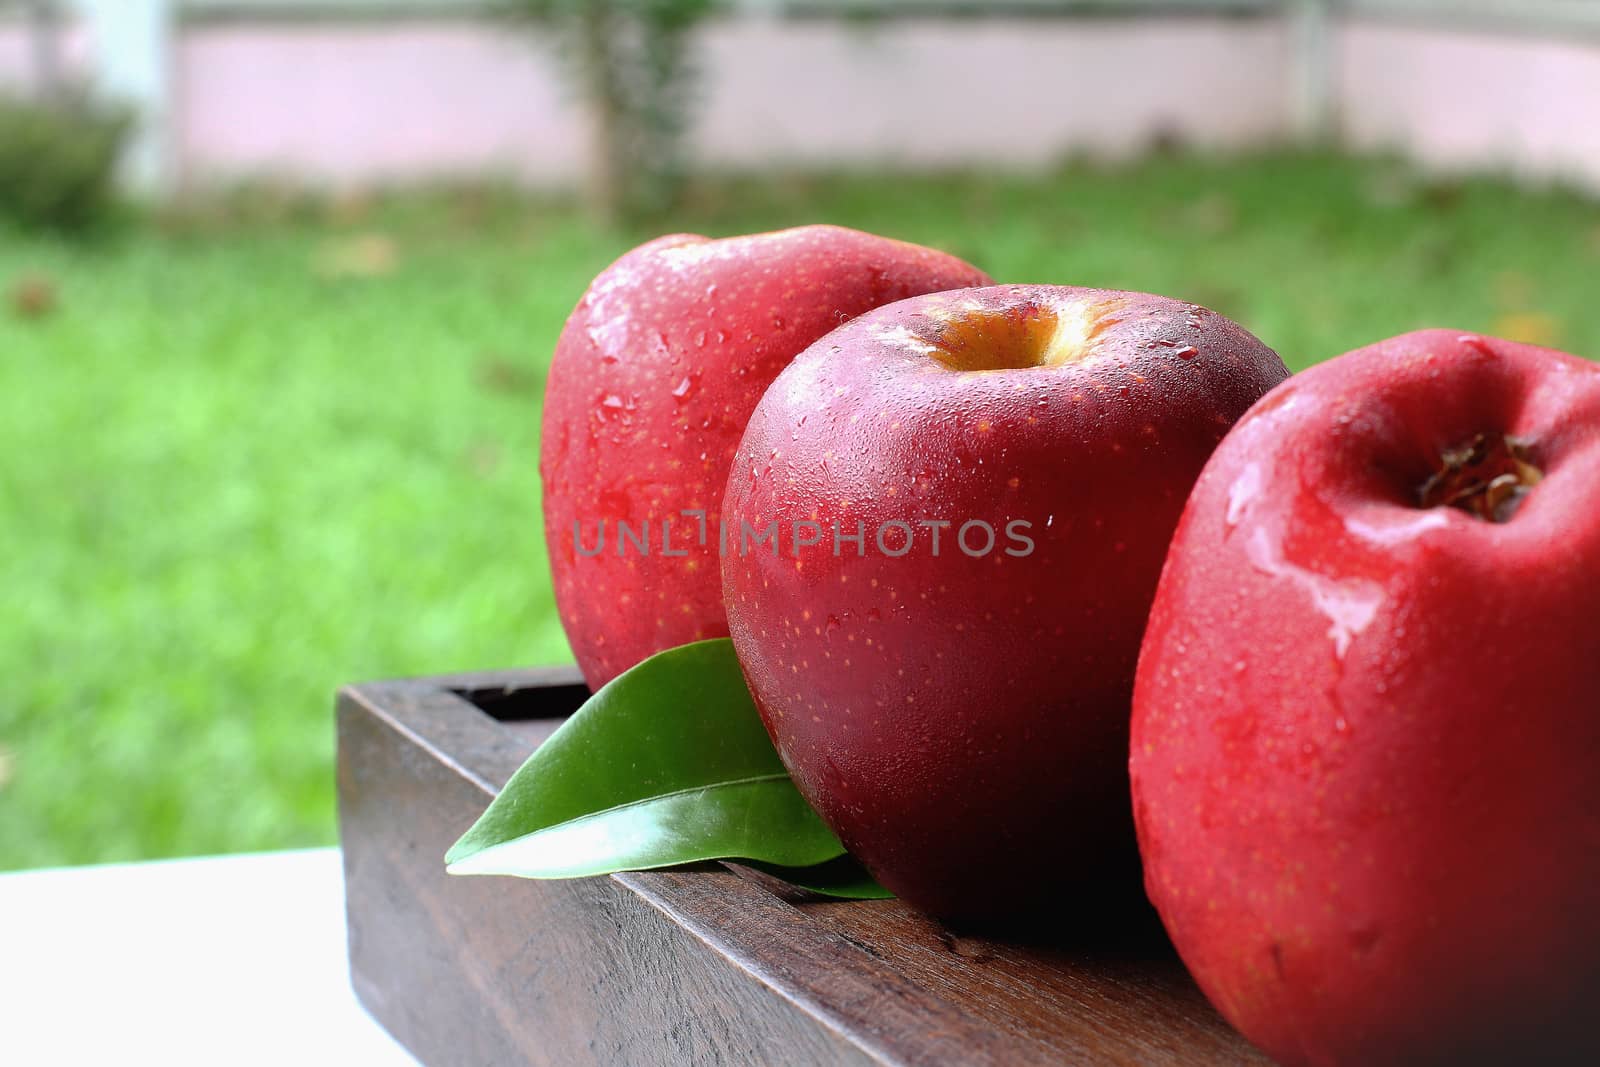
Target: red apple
x=1366, y=734
x=957, y=710
x=653, y=380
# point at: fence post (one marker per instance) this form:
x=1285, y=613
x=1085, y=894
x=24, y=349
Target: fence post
x=1311, y=56
x=131, y=45
x=44, y=40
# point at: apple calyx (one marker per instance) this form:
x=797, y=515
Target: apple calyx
x=1488, y=477
x=1017, y=338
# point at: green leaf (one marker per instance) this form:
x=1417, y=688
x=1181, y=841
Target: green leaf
x=667, y=764
x=841, y=877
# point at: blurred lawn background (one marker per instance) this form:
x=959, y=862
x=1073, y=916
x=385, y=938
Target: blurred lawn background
x=265, y=446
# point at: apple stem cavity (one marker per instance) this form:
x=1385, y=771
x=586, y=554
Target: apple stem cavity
x=1022, y=337
x=1488, y=477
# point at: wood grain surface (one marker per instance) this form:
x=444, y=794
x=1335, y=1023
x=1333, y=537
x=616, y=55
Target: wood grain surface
x=715, y=964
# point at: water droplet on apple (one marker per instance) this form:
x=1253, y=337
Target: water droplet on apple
x=833, y=623
x=612, y=401
x=683, y=388
x=1364, y=938
x=1187, y=352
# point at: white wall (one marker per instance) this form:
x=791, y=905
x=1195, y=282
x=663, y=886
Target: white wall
x=994, y=91
x=372, y=102
x=1473, y=99
x=17, y=67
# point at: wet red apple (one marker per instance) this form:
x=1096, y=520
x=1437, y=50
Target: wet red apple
x=653, y=380
x=1366, y=734
x=970, y=495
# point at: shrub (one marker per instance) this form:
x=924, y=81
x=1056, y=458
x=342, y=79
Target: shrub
x=58, y=158
x=630, y=62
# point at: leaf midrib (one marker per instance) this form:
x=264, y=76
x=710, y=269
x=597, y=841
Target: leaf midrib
x=775, y=776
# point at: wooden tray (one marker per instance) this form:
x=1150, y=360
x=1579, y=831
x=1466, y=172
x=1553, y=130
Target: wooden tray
x=709, y=965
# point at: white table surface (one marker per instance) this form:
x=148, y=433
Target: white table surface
x=236, y=959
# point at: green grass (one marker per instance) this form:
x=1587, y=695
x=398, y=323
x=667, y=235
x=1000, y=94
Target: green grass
x=233, y=476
